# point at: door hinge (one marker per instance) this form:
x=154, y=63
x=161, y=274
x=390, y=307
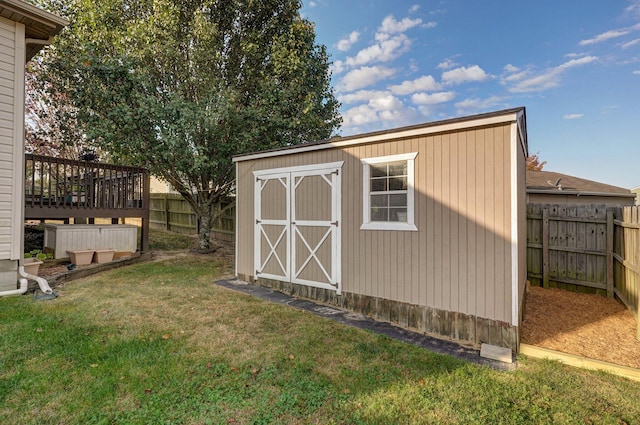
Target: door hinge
x=335, y=223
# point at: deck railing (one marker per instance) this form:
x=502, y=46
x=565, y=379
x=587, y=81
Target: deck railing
x=58, y=188
x=62, y=185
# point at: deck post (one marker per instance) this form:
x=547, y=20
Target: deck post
x=144, y=231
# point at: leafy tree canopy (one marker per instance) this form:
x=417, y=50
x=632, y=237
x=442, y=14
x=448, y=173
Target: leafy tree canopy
x=533, y=162
x=180, y=86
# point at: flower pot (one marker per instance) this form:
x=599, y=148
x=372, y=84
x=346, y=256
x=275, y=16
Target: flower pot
x=81, y=257
x=31, y=266
x=103, y=255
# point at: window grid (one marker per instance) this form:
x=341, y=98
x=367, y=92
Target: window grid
x=388, y=193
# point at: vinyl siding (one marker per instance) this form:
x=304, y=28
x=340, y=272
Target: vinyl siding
x=458, y=260
x=7, y=144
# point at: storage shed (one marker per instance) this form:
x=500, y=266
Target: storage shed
x=423, y=226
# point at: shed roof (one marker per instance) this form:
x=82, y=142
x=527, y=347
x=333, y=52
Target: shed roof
x=550, y=182
x=40, y=25
x=480, y=120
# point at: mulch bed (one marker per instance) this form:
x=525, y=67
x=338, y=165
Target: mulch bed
x=588, y=325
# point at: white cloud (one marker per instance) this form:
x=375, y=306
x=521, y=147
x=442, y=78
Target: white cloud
x=630, y=43
x=359, y=115
x=430, y=24
x=515, y=77
x=391, y=26
x=446, y=64
x=362, y=96
x=414, y=8
x=474, y=105
x=604, y=37
x=372, y=113
x=577, y=62
x=548, y=79
x=432, y=99
x=390, y=43
x=313, y=4
x=573, y=116
x=634, y=8
x=386, y=103
x=338, y=67
x=346, y=43
x=424, y=83
x=513, y=73
x=510, y=68
x=384, y=51
x=541, y=82
x=364, y=77
x=464, y=74
x=636, y=72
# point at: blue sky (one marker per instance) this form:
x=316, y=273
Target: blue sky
x=575, y=66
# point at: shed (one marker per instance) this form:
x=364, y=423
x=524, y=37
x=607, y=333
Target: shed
x=24, y=30
x=423, y=226
x=548, y=187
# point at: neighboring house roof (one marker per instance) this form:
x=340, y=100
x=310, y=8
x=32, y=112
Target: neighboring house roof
x=549, y=182
x=40, y=25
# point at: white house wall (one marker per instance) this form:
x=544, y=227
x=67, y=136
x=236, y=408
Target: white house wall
x=11, y=138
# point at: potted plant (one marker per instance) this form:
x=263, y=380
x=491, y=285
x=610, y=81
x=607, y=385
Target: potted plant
x=33, y=260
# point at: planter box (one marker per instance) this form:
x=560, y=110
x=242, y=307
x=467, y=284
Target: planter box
x=103, y=255
x=62, y=238
x=81, y=257
x=31, y=265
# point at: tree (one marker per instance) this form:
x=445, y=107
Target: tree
x=180, y=86
x=51, y=126
x=533, y=162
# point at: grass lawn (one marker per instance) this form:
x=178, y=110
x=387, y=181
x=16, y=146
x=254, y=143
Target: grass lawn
x=158, y=343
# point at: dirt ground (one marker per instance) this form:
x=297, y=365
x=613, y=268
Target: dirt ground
x=588, y=325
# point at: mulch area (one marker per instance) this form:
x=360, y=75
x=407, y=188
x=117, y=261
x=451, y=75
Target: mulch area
x=588, y=325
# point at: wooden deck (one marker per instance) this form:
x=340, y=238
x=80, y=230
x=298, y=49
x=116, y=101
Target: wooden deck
x=61, y=189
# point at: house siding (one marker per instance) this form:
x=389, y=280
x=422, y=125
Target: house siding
x=459, y=258
x=8, y=145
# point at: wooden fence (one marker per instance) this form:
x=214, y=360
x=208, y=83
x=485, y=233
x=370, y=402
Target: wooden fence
x=626, y=255
x=585, y=248
x=169, y=211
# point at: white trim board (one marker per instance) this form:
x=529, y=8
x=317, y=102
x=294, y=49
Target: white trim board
x=367, y=223
x=515, y=258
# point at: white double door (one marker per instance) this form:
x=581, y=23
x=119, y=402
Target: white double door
x=297, y=228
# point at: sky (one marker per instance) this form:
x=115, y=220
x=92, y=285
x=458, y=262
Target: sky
x=574, y=65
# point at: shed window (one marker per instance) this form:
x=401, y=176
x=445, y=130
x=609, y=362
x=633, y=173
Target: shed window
x=388, y=192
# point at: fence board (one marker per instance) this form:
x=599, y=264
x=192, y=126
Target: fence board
x=172, y=212
x=573, y=250
x=586, y=248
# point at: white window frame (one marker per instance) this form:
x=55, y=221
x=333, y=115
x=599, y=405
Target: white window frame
x=367, y=224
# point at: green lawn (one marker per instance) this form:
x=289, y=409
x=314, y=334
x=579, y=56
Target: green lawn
x=158, y=343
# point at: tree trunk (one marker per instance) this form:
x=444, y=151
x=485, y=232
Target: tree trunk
x=204, y=231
